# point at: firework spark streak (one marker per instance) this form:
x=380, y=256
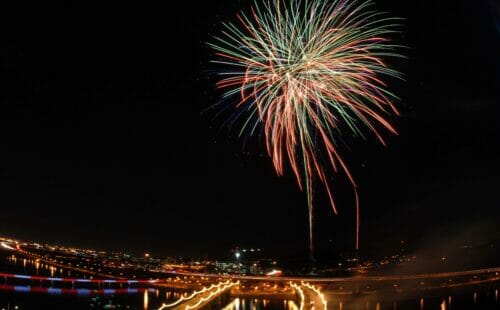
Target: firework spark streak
x=306, y=72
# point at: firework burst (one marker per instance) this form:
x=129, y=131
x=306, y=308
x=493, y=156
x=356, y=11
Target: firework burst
x=306, y=72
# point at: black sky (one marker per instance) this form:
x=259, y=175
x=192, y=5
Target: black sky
x=104, y=142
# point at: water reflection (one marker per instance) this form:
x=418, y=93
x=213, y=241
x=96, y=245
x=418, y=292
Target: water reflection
x=233, y=305
x=146, y=300
x=486, y=298
x=35, y=267
x=260, y=304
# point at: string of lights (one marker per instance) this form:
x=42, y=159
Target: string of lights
x=221, y=286
x=300, y=291
x=318, y=292
x=210, y=296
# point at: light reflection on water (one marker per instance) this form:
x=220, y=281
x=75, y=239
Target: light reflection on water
x=261, y=304
x=146, y=300
x=35, y=267
x=484, y=299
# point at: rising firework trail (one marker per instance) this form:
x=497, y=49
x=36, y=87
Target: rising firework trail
x=305, y=73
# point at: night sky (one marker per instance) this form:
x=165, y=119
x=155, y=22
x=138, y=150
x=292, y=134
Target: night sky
x=106, y=140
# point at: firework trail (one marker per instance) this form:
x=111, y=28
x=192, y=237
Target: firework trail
x=306, y=72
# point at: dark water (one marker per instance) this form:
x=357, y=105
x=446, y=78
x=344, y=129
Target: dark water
x=24, y=266
x=40, y=301
x=485, y=298
x=43, y=301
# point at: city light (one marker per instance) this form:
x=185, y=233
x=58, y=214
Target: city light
x=274, y=272
x=6, y=246
x=77, y=266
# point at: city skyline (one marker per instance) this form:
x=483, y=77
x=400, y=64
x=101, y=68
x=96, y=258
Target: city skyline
x=108, y=138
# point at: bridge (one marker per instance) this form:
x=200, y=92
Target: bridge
x=74, y=281
x=73, y=291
